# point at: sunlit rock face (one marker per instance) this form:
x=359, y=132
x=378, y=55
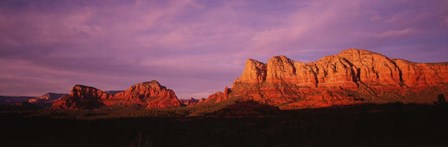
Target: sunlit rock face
x=350, y=77
x=219, y=96
x=150, y=95
x=81, y=97
x=254, y=72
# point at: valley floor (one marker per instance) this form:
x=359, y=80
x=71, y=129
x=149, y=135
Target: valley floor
x=360, y=125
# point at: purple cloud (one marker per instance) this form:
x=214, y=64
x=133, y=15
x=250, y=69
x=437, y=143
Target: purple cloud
x=197, y=47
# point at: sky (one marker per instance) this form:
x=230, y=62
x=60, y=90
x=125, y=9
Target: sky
x=197, y=47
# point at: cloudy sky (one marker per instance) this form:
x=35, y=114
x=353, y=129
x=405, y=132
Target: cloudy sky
x=197, y=47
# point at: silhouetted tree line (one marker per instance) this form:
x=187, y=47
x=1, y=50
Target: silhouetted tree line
x=441, y=100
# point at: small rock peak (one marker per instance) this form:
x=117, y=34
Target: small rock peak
x=227, y=90
x=253, y=62
x=149, y=83
x=327, y=58
x=280, y=61
x=403, y=61
x=86, y=91
x=299, y=63
x=355, y=50
x=80, y=89
x=153, y=82
x=78, y=86
x=254, y=71
x=361, y=55
x=280, y=57
x=358, y=52
x=255, y=65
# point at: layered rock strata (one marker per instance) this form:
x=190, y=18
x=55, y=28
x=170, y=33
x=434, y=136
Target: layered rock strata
x=150, y=95
x=350, y=77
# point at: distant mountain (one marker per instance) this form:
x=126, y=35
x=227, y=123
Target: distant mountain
x=149, y=95
x=13, y=100
x=190, y=101
x=351, y=77
x=46, y=99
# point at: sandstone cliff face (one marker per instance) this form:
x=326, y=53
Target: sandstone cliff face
x=255, y=72
x=150, y=95
x=352, y=76
x=422, y=75
x=87, y=92
x=81, y=97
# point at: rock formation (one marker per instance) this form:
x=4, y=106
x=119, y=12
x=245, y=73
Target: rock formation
x=82, y=97
x=150, y=95
x=219, y=96
x=350, y=77
x=190, y=101
x=46, y=99
x=13, y=100
x=353, y=76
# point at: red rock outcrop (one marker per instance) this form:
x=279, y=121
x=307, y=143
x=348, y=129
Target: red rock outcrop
x=46, y=99
x=255, y=72
x=219, y=96
x=81, y=97
x=150, y=95
x=352, y=76
x=190, y=101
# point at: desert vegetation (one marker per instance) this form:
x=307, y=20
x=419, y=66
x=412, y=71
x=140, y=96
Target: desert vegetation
x=238, y=124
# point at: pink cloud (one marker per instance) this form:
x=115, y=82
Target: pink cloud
x=199, y=42
x=390, y=33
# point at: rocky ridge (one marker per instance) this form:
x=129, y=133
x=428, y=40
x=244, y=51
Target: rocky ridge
x=350, y=77
x=46, y=99
x=149, y=95
x=190, y=101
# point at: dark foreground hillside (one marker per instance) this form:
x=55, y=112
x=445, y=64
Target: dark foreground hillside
x=253, y=125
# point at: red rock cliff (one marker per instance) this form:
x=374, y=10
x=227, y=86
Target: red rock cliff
x=82, y=97
x=150, y=95
x=352, y=76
